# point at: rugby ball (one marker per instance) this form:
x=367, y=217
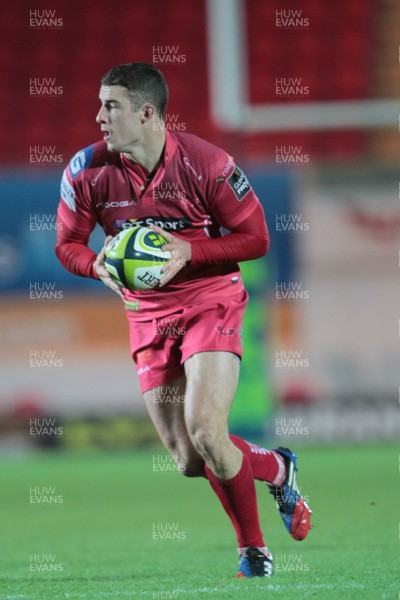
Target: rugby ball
x=134, y=258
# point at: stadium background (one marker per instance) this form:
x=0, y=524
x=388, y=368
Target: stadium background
x=322, y=328
x=324, y=298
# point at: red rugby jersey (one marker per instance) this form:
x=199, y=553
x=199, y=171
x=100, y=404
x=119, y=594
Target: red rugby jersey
x=197, y=193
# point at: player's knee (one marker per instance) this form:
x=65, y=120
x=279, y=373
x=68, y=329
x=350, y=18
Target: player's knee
x=204, y=440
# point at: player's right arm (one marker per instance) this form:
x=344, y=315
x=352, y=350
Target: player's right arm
x=76, y=220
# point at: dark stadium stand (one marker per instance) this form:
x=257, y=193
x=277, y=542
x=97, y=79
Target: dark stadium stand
x=332, y=55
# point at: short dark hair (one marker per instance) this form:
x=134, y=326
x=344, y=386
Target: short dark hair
x=144, y=83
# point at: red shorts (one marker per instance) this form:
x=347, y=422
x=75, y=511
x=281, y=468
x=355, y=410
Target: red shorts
x=160, y=346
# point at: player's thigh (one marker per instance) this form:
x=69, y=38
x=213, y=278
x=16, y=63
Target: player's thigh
x=211, y=383
x=165, y=405
x=211, y=348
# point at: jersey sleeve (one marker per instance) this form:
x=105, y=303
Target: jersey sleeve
x=249, y=240
x=76, y=220
x=231, y=198
x=234, y=206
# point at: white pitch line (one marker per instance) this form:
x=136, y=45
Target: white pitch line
x=205, y=590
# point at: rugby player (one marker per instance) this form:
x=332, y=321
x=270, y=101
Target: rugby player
x=195, y=195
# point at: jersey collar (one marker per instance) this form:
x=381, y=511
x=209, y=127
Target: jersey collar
x=169, y=151
x=171, y=144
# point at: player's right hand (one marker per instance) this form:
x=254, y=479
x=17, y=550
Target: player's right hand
x=102, y=272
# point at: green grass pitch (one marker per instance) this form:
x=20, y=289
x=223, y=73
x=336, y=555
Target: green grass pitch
x=109, y=536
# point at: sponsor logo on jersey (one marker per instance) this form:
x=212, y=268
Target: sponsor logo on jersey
x=116, y=204
x=80, y=161
x=191, y=168
x=132, y=305
x=227, y=167
x=99, y=174
x=143, y=370
x=164, y=223
x=239, y=183
x=225, y=331
x=67, y=192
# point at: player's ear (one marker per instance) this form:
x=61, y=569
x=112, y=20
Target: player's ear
x=147, y=112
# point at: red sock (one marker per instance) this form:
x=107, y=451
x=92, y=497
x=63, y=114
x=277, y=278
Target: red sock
x=238, y=497
x=266, y=465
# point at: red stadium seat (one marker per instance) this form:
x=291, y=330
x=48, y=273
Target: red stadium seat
x=331, y=55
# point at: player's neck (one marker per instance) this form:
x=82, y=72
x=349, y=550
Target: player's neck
x=148, y=152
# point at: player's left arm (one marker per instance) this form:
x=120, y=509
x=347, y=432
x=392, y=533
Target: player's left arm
x=181, y=254
x=236, y=207
x=248, y=239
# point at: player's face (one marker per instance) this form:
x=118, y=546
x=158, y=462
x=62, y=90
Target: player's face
x=119, y=122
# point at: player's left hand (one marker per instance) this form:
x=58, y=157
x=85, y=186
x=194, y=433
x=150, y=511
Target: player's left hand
x=181, y=253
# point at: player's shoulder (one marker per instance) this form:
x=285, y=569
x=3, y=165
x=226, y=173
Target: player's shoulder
x=213, y=164
x=200, y=153
x=197, y=146
x=92, y=157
